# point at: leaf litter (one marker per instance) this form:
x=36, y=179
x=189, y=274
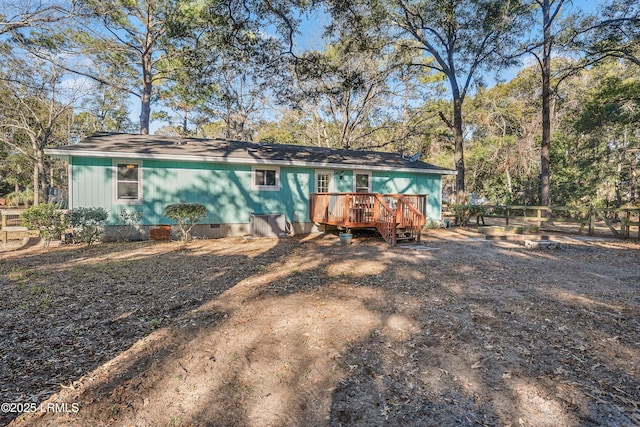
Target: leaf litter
x=306, y=331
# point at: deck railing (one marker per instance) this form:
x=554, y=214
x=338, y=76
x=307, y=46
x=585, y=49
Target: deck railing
x=388, y=213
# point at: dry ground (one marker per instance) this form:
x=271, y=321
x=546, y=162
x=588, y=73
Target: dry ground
x=307, y=332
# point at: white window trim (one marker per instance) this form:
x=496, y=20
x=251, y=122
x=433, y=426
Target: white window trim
x=114, y=175
x=276, y=187
x=370, y=180
x=329, y=172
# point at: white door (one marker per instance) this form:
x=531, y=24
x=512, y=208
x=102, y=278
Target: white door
x=324, y=181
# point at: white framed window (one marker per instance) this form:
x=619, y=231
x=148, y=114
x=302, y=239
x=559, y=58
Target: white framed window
x=265, y=178
x=362, y=182
x=324, y=181
x=127, y=182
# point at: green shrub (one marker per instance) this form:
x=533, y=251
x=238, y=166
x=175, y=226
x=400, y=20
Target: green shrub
x=18, y=198
x=129, y=219
x=464, y=212
x=186, y=215
x=87, y=223
x=45, y=218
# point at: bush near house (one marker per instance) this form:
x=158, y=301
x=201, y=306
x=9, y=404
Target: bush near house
x=186, y=215
x=47, y=219
x=87, y=223
x=129, y=220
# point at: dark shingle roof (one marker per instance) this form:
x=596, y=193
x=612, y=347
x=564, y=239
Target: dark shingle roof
x=218, y=150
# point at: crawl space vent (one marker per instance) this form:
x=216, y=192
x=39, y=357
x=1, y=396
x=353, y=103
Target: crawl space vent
x=268, y=225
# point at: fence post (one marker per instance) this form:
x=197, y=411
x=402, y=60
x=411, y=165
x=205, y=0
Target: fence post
x=625, y=223
x=3, y=222
x=592, y=221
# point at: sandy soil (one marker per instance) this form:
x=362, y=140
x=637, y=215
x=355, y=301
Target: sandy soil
x=304, y=331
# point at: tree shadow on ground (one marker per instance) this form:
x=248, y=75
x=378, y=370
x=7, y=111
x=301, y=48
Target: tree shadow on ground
x=507, y=336
x=308, y=332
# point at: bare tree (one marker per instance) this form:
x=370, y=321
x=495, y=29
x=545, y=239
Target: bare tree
x=36, y=112
x=18, y=14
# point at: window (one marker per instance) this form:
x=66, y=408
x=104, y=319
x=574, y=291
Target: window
x=265, y=178
x=363, y=182
x=323, y=181
x=128, y=180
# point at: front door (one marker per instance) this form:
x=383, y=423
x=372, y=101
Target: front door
x=324, y=184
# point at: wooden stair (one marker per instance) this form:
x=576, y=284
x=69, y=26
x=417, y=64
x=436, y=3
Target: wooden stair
x=405, y=235
x=400, y=225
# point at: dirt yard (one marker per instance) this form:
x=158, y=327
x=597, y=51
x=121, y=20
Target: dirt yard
x=304, y=331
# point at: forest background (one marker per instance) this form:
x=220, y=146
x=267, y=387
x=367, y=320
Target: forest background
x=532, y=102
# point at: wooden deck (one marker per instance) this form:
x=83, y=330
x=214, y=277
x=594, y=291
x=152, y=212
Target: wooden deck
x=397, y=217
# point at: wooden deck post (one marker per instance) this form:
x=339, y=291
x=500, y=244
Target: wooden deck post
x=347, y=205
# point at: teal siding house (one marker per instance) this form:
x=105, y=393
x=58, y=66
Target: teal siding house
x=237, y=181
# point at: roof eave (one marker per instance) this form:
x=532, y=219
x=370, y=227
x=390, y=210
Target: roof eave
x=66, y=155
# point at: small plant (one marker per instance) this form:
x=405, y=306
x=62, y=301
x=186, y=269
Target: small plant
x=186, y=215
x=432, y=225
x=129, y=219
x=463, y=213
x=87, y=223
x=45, y=303
x=45, y=218
x=18, y=198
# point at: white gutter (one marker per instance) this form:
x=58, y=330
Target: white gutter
x=236, y=160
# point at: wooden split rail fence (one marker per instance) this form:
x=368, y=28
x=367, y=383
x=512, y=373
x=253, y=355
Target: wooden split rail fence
x=618, y=220
x=10, y=222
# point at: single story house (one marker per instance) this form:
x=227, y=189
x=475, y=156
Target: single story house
x=236, y=181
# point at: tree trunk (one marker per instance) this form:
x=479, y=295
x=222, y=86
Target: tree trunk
x=634, y=177
x=458, y=156
x=509, y=184
x=545, y=158
x=147, y=87
x=42, y=175
x=184, y=121
x=36, y=185
x=145, y=108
